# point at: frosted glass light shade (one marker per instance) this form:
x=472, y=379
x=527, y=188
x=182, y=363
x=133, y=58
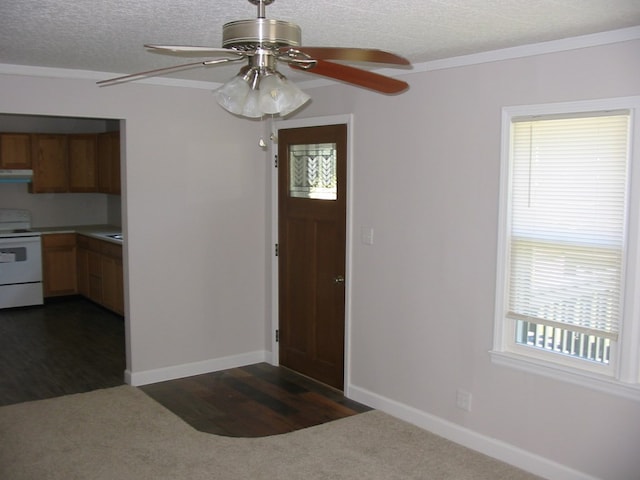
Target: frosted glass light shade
x=296, y=98
x=256, y=93
x=278, y=95
x=252, y=105
x=273, y=97
x=232, y=95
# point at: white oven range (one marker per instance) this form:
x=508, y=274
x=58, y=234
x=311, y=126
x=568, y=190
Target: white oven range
x=20, y=260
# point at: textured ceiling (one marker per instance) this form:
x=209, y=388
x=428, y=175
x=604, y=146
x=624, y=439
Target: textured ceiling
x=108, y=35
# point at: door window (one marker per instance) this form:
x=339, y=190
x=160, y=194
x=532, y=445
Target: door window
x=312, y=171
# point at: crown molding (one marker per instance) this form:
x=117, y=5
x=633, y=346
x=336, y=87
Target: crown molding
x=522, y=51
x=530, y=50
x=72, y=74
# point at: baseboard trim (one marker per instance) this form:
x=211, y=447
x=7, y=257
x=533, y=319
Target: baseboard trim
x=492, y=447
x=196, y=368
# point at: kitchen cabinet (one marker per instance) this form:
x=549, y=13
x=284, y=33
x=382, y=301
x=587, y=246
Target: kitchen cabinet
x=100, y=272
x=64, y=163
x=112, y=281
x=82, y=264
x=59, y=272
x=90, y=268
x=15, y=151
x=83, y=163
x=88, y=263
x=50, y=163
x=109, y=163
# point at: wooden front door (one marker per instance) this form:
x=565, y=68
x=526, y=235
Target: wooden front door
x=312, y=170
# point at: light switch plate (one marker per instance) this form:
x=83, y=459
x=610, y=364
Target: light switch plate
x=366, y=235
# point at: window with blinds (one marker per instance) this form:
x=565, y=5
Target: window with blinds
x=565, y=236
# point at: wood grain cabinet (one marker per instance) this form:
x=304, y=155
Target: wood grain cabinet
x=83, y=163
x=100, y=272
x=109, y=163
x=82, y=262
x=50, y=163
x=15, y=151
x=112, y=280
x=59, y=270
x=65, y=162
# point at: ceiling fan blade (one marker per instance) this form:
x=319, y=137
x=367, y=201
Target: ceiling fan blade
x=349, y=54
x=356, y=76
x=192, y=50
x=163, y=71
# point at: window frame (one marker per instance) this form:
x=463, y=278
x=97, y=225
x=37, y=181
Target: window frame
x=622, y=375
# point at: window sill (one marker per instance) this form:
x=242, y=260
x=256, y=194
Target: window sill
x=567, y=374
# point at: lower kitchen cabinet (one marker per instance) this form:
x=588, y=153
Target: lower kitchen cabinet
x=100, y=273
x=112, y=284
x=95, y=275
x=59, y=272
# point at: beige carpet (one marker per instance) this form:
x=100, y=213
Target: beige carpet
x=120, y=433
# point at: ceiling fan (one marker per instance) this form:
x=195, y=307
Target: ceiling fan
x=260, y=88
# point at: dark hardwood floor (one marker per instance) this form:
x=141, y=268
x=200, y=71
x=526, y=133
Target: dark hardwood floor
x=72, y=346
x=66, y=346
x=252, y=401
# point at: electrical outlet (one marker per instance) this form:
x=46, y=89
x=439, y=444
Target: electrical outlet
x=463, y=400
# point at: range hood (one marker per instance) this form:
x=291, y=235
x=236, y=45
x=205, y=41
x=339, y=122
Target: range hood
x=15, y=176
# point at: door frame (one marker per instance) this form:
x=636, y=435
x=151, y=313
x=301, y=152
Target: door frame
x=272, y=128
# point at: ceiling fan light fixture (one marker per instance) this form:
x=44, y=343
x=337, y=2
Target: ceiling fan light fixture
x=232, y=95
x=251, y=108
x=271, y=94
x=258, y=91
x=279, y=96
x=296, y=98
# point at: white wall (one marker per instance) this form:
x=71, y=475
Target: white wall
x=56, y=209
x=426, y=176
x=193, y=213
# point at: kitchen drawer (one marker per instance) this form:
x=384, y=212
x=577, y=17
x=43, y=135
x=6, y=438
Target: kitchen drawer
x=112, y=250
x=59, y=240
x=90, y=243
x=95, y=245
x=100, y=246
x=83, y=242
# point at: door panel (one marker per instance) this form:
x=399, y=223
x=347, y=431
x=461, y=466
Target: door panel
x=312, y=243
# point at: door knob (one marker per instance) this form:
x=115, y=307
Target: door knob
x=339, y=279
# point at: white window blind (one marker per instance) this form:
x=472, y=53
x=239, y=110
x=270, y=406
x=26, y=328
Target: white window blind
x=567, y=221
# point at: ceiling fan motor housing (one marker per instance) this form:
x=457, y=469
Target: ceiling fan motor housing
x=246, y=35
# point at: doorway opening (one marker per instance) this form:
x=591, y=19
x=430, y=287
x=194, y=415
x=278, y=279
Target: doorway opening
x=87, y=199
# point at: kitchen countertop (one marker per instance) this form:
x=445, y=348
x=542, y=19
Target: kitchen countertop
x=100, y=232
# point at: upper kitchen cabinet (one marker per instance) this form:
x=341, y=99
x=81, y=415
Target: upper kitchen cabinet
x=15, y=151
x=109, y=162
x=50, y=163
x=76, y=163
x=83, y=163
